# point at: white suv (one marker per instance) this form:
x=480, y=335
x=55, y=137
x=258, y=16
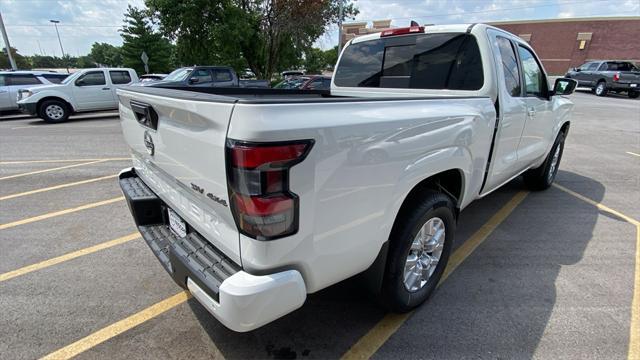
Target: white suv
x=85, y=90
x=12, y=81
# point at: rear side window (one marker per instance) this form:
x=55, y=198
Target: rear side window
x=222, y=75
x=91, y=79
x=23, y=79
x=119, y=77
x=55, y=78
x=509, y=66
x=618, y=66
x=435, y=61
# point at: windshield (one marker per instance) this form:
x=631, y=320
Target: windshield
x=178, y=75
x=70, y=78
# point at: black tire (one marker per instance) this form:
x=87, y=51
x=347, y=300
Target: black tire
x=633, y=94
x=53, y=111
x=601, y=88
x=429, y=205
x=542, y=177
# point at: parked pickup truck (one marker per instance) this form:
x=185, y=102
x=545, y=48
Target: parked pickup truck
x=206, y=76
x=253, y=198
x=85, y=90
x=605, y=76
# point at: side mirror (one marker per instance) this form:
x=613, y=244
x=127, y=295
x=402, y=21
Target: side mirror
x=80, y=82
x=576, y=69
x=194, y=80
x=564, y=86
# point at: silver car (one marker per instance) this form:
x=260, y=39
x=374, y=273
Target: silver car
x=12, y=81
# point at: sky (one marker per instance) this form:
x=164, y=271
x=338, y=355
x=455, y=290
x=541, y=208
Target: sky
x=83, y=22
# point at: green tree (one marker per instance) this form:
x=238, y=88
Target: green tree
x=331, y=57
x=138, y=36
x=314, y=61
x=267, y=36
x=21, y=62
x=106, y=54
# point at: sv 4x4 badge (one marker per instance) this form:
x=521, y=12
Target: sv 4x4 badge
x=200, y=190
x=148, y=143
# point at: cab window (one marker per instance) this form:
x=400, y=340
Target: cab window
x=119, y=77
x=222, y=75
x=203, y=76
x=509, y=66
x=430, y=61
x=91, y=78
x=535, y=83
x=23, y=79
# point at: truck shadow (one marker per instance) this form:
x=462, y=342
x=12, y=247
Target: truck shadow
x=496, y=304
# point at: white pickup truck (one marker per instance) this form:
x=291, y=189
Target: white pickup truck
x=85, y=90
x=253, y=198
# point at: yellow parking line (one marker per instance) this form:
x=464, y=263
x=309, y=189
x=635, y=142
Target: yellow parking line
x=634, y=329
x=632, y=153
x=118, y=328
x=69, y=256
x=380, y=333
x=58, y=213
x=56, y=187
x=50, y=169
x=598, y=205
x=57, y=161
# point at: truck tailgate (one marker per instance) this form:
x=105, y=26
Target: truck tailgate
x=180, y=154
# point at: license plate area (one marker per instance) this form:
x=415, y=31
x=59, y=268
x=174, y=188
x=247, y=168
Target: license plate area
x=177, y=226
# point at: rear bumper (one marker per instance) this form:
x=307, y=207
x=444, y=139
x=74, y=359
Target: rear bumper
x=239, y=300
x=28, y=108
x=625, y=86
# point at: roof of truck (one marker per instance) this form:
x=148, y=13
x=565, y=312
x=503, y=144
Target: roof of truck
x=454, y=28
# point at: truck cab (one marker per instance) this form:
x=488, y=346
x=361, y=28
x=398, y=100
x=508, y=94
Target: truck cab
x=82, y=91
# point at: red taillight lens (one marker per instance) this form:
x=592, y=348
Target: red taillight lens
x=616, y=77
x=263, y=206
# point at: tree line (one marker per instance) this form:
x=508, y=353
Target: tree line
x=265, y=36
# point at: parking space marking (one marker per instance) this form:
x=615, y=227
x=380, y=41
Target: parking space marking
x=60, y=212
x=366, y=346
x=50, y=169
x=69, y=256
x=56, y=187
x=634, y=330
x=119, y=327
x=632, y=153
x=58, y=161
x=598, y=205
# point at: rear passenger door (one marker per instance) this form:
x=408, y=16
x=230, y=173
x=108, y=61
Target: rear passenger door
x=222, y=78
x=539, y=120
x=15, y=82
x=504, y=163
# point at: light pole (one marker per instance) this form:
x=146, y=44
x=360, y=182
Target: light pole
x=55, y=23
x=7, y=45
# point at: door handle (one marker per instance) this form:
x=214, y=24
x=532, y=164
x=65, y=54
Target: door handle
x=531, y=111
x=106, y=88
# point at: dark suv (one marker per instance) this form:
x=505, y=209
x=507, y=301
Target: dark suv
x=603, y=76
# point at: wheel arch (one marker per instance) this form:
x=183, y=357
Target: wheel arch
x=450, y=182
x=69, y=105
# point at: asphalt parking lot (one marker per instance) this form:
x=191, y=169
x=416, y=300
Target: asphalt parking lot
x=551, y=274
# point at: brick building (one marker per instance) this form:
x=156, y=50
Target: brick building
x=560, y=43
x=565, y=43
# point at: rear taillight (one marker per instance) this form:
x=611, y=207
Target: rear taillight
x=258, y=173
x=616, y=77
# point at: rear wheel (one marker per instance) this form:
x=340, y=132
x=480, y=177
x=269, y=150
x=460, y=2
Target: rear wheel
x=542, y=177
x=601, y=88
x=420, y=245
x=53, y=111
x=634, y=94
